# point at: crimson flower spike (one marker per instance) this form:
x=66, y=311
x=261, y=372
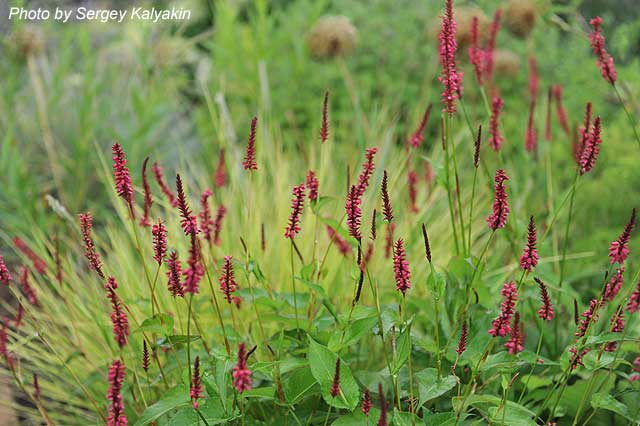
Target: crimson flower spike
x=148, y=199
x=491, y=44
x=546, y=310
x=447, y=46
x=159, y=233
x=388, y=240
x=401, y=267
x=194, y=272
x=588, y=316
x=584, y=130
x=28, y=290
x=476, y=150
x=157, y=172
x=195, y=391
x=38, y=263
x=427, y=246
x=115, y=378
x=121, y=176
x=220, y=177
x=462, y=343
x=498, y=218
x=495, y=137
x=5, y=275
x=476, y=54
x=297, y=205
x=312, y=185
x=373, y=225
x=354, y=213
x=119, y=317
x=324, y=130
x=367, y=170
x=86, y=225
x=547, y=121
x=619, y=249
x=146, y=360
x=591, y=148
x=617, y=326
x=241, y=373
x=515, y=344
x=603, y=58
x=228, y=284
x=17, y=320
x=387, y=211
x=417, y=136
x=529, y=258
x=335, y=386
x=531, y=135
x=188, y=221
x=343, y=246
x=249, y=162
x=634, y=300
x=413, y=191
x=217, y=224
x=612, y=288
x=366, y=402
x=500, y=325
x=206, y=222
x=173, y=274
x=382, y=421
x=561, y=113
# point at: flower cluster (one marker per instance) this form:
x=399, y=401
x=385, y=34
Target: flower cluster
x=515, y=344
x=603, y=58
x=591, y=148
x=619, y=249
x=495, y=137
x=500, y=325
x=297, y=204
x=159, y=233
x=173, y=274
x=195, y=391
x=401, y=267
x=116, y=407
x=529, y=258
x=588, y=316
x=418, y=135
x=354, y=213
x=249, y=162
x=118, y=315
x=613, y=286
x=241, y=373
x=312, y=185
x=86, y=225
x=206, y=223
x=546, y=311
x=5, y=275
x=228, y=284
x=498, y=218
x=121, y=175
x=634, y=300
x=450, y=78
x=157, y=172
x=617, y=326
x=367, y=170
x=188, y=220
x=343, y=246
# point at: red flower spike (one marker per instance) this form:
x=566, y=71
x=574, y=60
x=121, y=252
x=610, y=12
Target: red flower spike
x=121, y=175
x=366, y=402
x=146, y=360
x=427, y=246
x=374, y=229
x=119, y=318
x=159, y=233
x=220, y=177
x=447, y=46
x=476, y=54
x=462, y=343
x=619, y=249
x=367, y=170
x=491, y=44
x=387, y=211
x=576, y=359
x=529, y=258
x=297, y=205
x=188, y=221
x=561, y=113
x=343, y=246
x=388, y=243
x=354, y=213
x=584, y=132
x=603, y=58
x=217, y=224
x=157, y=172
x=476, y=148
x=634, y=300
x=86, y=225
x=39, y=265
x=617, y=326
x=413, y=191
x=19, y=315
x=324, y=130
x=206, y=223
x=498, y=218
x=401, y=267
x=546, y=311
x=4, y=341
x=495, y=138
x=115, y=378
x=241, y=373
x=335, y=386
x=417, y=136
x=148, y=199
x=312, y=185
x=27, y=289
x=531, y=135
x=5, y=275
x=195, y=391
x=228, y=284
x=612, y=288
x=591, y=148
x=249, y=162
x=382, y=421
x=588, y=316
x=195, y=271
x=515, y=344
x=174, y=273
x=500, y=325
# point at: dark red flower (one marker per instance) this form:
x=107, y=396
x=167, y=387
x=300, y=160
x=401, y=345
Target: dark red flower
x=634, y=300
x=36, y=386
x=86, y=224
x=612, y=288
x=249, y=162
x=206, y=223
x=382, y=421
x=427, y=246
x=500, y=325
x=561, y=113
x=115, y=378
x=188, y=220
x=476, y=54
x=159, y=233
x=498, y=218
x=28, y=290
x=227, y=280
x=173, y=274
x=387, y=211
x=515, y=343
x=354, y=213
x=491, y=44
x=194, y=271
x=195, y=392
x=588, y=316
x=495, y=138
x=413, y=191
x=312, y=185
x=297, y=205
x=418, y=135
x=121, y=175
x=366, y=402
x=148, y=199
x=5, y=275
x=39, y=265
x=584, y=131
x=476, y=148
x=546, y=311
x=146, y=360
x=367, y=170
x=603, y=58
x=529, y=258
x=450, y=78
x=4, y=341
x=576, y=359
x=335, y=386
x=591, y=148
x=343, y=246
x=220, y=177
x=401, y=267
x=241, y=373
x=617, y=326
x=324, y=130
x=462, y=343
x=619, y=249
x=157, y=172
x=119, y=317
x=217, y=224
x=374, y=231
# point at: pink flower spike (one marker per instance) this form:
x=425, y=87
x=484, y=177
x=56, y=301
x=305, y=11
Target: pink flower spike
x=366, y=402
x=584, y=131
x=495, y=137
x=121, y=175
x=28, y=290
x=115, y=378
x=612, y=288
x=588, y=316
x=354, y=213
x=462, y=343
x=546, y=311
x=173, y=274
x=418, y=135
x=249, y=162
x=619, y=249
x=500, y=325
x=241, y=373
x=5, y=275
x=603, y=58
x=634, y=300
x=447, y=46
x=401, y=267
x=561, y=113
x=38, y=263
x=148, y=199
x=119, y=317
x=217, y=224
x=188, y=221
x=324, y=130
x=157, y=172
x=529, y=258
x=86, y=225
x=387, y=211
x=195, y=271
x=476, y=54
x=297, y=205
x=220, y=177
x=591, y=148
x=195, y=391
x=617, y=326
x=498, y=218
x=228, y=284
x=312, y=185
x=515, y=344
x=159, y=233
x=206, y=223
x=343, y=246
x=367, y=170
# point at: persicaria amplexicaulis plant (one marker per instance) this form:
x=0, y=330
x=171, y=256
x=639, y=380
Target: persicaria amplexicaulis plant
x=250, y=162
x=529, y=258
x=297, y=205
x=495, y=137
x=401, y=267
x=159, y=233
x=228, y=284
x=417, y=136
x=241, y=373
x=335, y=386
x=619, y=249
x=148, y=198
x=451, y=78
x=86, y=225
x=501, y=325
x=603, y=58
x=116, y=378
x=196, y=384
x=498, y=218
x=354, y=213
x=546, y=310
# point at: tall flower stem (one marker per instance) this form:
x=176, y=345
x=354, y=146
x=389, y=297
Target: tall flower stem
x=144, y=264
x=448, y=186
x=566, y=231
x=436, y=303
x=402, y=320
x=457, y=179
x=295, y=295
x=189, y=333
x=473, y=193
x=629, y=116
x=533, y=367
x=476, y=374
x=215, y=303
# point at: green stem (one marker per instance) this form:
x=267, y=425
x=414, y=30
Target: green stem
x=448, y=187
x=473, y=194
x=295, y=295
x=629, y=117
x=566, y=231
x=404, y=306
x=533, y=367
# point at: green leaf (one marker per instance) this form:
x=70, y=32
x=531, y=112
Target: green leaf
x=511, y=417
x=353, y=333
x=298, y=385
x=437, y=284
x=404, y=419
x=478, y=400
x=442, y=419
x=608, y=402
x=320, y=202
x=358, y=418
x=211, y=410
x=403, y=345
x=159, y=324
x=323, y=366
x=174, y=398
x=429, y=385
